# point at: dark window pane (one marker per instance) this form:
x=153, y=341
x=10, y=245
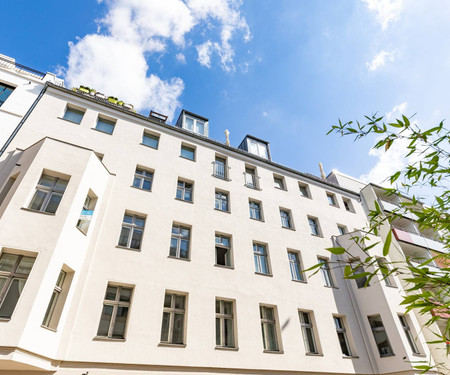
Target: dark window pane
x=111, y=293
x=53, y=203
x=125, y=295
x=165, y=327
x=136, y=239
x=124, y=234
x=120, y=322
x=11, y=298
x=7, y=262
x=105, y=320
x=150, y=140
x=38, y=200
x=178, y=329
x=25, y=265
x=73, y=115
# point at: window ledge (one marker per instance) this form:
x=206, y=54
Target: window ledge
x=72, y=122
x=331, y=286
x=6, y=320
x=48, y=328
x=304, y=196
x=81, y=230
x=183, y=200
x=300, y=281
x=253, y=187
x=170, y=345
x=293, y=229
x=263, y=274
x=350, y=357
x=419, y=355
x=387, y=355
x=221, y=178
x=316, y=235
x=282, y=189
x=143, y=144
x=37, y=211
x=334, y=205
x=227, y=212
x=226, y=267
x=134, y=187
x=273, y=351
x=260, y=220
x=184, y=157
x=391, y=286
x=172, y=257
x=103, y=338
x=128, y=248
x=101, y=131
x=314, y=354
x=226, y=348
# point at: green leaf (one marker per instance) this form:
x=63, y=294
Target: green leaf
x=387, y=243
x=347, y=270
x=336, y=250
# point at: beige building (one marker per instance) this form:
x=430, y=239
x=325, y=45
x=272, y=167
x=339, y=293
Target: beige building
x=129, y=246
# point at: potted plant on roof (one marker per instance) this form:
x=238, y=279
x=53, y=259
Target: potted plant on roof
x=128, y=106
x=112, y=99
x=92, y=92
x=100, y=95
x=84, y=89
x=120, y=102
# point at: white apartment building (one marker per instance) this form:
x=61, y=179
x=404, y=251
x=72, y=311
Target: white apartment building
x=130, y=246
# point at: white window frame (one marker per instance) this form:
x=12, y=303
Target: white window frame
x=180, y=237
x=286, y=219
x=375, y=330
x=57, y=291
x=326, y=272
x=308, y=326
x=49, y=191
x=132, y=228
x=172, y=310
x=314, y=226
x=266, y=321
x=261, y=258
x=222, y=245
x=221, y=319
x=409, y=334
x=155, y=137
x=183, y=187
x=255, y=209
x=295, y=266
x=342, y=331
x=220, y=198
x=142, y=175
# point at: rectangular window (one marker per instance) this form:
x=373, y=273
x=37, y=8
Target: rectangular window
x=279, y=182
x=184, y=191
x=224, y=324
x=187, y=152
x=115, y=311
x=223, y=251
x=14, y=271
x=48, y=195
x=304, y=190
x=269, y=328
x=326, y=272
x=286, y=221
x=221, y=201
x=73, y=115
x=104, y=125
x=308, y=332
x=132, y=231
x=331, y=199
x=258, y=148
x=220, y=169
x=380, y=336
x=87, y=212
x=261, y=259
x=251, y=179
x=408, y=333
x=342, y=336
x=5, y=92
x=384, y=270
x=314, y=226
x=255, y=210
x=348, y=205
x=143, y=179
x=358, y=268
x=150, y=140
x=194, y=125
x=179, y=242
x=54, y=309
x=342, y=229
x=295, y=265
x=172, y=329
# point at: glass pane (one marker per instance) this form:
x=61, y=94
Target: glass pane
x=167, y=300
x=184, y=249
x=111, y=293
x=105, y=126
x=256, y=261
x=179, y=195
x=264, y=265
x=179, y=302
x=61, y=185
x=124, y=235
x=343, y=344
x=73, y=115
x=228, y=308
x=188, y=195
x=139, y=221
x=271, y=337
x=120, y=322
x=218, y=341
x=338, y=323
x=178, y=329
x=150, y=140
x=136, y=239
x=11, y=298
x=165, y=327
x=185, y=232
x=125, y=294
x=105, y=320
x=53, y=203
x=187, y=152
x=38, y=200
x=3, y=281
x=7, y=262
x=137, y=182
x=50, y=309
x=382, y=342
x=128, y=219
x=217, y=307
x=189, y=123
x=310, y=339
x=173, y=247
x=200, y=128
x=229, y=341
x=147, y=185
x=25, y=265
x=47, y=181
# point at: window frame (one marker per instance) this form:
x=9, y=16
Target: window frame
x=305, y=193
x=76, y=110
x=49, y=192
x=105, y=121
x=332, y=199
x=266, y=321
x=132, y=228
x=296, y=266
x=147, y=175
x=388, y=279
x=57, y=299
x=309, y=327
x=221, y=245
x=224, y=196
x=286, y=219
x=172, y=311
x=341, y=330
x=348, y=205
x=251, y=178
x=88, y=206
x=255, y=210
x=327, y=275
x=404, y=322
x=221, y=168
x=314, y=223
x=153, y=136
x=183, y=189
x=279, y=182
x=179, y=238
x=261, y=259
x=220, y=319
x=342, y=229
x=377, y=329
x=5, y=88
x=188, y=148
x=356, y=264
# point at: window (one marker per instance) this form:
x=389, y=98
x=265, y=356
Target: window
x=260, y=258
x=257, y=148
x=326, y=272
x=223, y=251
x=380, y=336
x=5, y=92
x=221, y=201
x=73, y=115
x=115, y=311
x=308, y=332
x=132, y=231
x=14, y=271
x=187, y=152
x=331, y=199
x=295, y=265
x=86, y=213
x=348, y=205
x=179, y=242
x=48, y=195
x=342, y=229
x=286, y=221
x=357, y=267
x=172, y=329
x=408, y=333
x=342, y=336
x=150, y=140
x=104, y=125
x=220, y=169
x=384, y=269
x=251, y=179
x=143, y=179
x=255, y=210
x=184, y=191
x=195, y=125
x=55, y=306
x=224, y=324
x=304, y=190
x=314, y=225
x=269, y=328
x=279, y=182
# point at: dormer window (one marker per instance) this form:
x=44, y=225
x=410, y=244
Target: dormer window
x=193, y=123
x=256, y=147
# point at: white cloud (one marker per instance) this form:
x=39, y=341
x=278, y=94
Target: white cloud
x=387, y=11
x=114, y=59
x=380, y=60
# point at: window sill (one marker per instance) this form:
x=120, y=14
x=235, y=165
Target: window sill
x=128, y=248
x=314, y=354
x=273, y=351
x=172, y=257
x=350, y=357
x=183, y=200
x=81, y=231
x=37, y=211
x=6, y=320
x=300, y=281
x=134, y=187
x=143, y=144
x=293, y=229
x=110, y=339
x=391, y=286
x=387, y=355
x=253, y=187
x=304, y=196
x=226, y=348
x=101, y=131
x=184, y=157
x=226, y=212
x=72, y=122
x=170, y=345
x=226, y=267
x=282, y=189
x=264, y=274
x=316, y=235
x=331, y=286
x=260, y=220
x=221, y=178
x=334, y=205
x=419, y=355
x=48, y=328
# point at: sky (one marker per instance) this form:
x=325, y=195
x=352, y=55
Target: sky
x=282, y=70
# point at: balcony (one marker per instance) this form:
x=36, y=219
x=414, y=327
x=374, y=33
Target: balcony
x=393, y=207
x=221, y=170
x=251, y=181
x=417, y=239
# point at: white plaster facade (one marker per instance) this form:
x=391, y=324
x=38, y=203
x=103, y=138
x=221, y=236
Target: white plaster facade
x=48, y=144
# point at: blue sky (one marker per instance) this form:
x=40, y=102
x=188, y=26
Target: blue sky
x=282, y=70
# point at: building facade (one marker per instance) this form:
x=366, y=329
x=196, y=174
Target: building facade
x=129, y=246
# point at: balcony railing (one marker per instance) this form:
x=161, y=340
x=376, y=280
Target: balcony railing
x=417, y=239
x=221, y=170
x=251, y=181
x=393, y=207
x=11, y=64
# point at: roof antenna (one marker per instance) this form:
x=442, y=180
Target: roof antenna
x=322, y=173
x=227, y=134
